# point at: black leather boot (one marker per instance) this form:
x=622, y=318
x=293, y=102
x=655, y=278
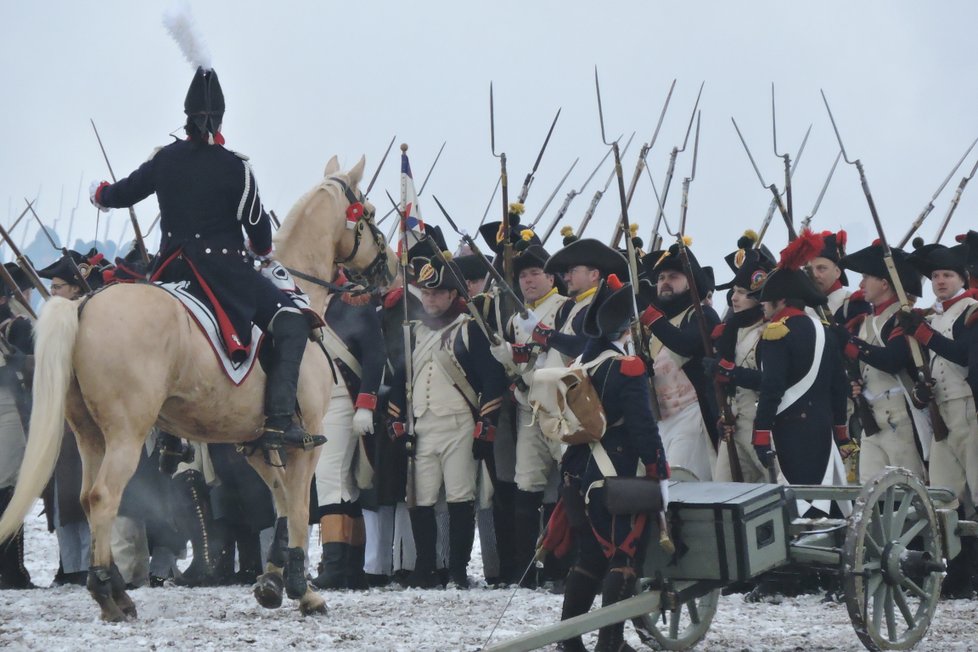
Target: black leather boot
x=356, y=578
x=503, y=518
x=290, y=333
x=196, y=521
x=618, y=584
x=579, y=592
x=461, y=531
x=249, y=555
x=333, y=567
x=526, y=529
x=425, y=535
x=173, y=450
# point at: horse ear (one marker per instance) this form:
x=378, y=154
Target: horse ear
x=332, y=167
x=356, y=172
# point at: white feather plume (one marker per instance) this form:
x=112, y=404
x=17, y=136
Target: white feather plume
x=179, y=21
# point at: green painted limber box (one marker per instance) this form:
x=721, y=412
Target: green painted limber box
x=723, y=531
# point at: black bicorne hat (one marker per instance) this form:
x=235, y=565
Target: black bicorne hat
x=86, y=263
x=433, y=274
x=928, y=258
x=204, y=104
x=426, y=246
x=968, y=246
x=834, y=249
x=532, y=256
x=492, y=232
x=750, y=264
x=591, y=253
x=19, y=277
x=788, y=280
x=471, y=266
x=869, y=260
x=665, y=260
x=610, y=312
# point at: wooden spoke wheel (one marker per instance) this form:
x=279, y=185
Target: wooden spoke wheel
x=678, y=626
x=892, y=562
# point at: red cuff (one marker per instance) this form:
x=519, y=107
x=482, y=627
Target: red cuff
x=650, y=316
x=851, y=351
x=521, y=353
x=923, y=334
x=726, y=364
x=841, y=434
x=392, y=297
x=368, y=401
x=761, y=438
x=541, y=335
x=98, y=192
x=484, y=432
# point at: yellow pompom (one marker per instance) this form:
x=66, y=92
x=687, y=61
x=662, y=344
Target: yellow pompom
x=751, y=233
x=526, y=234
x=516, y=208
x=633, y=229
x=566, y=231
x=687, y=240
x=446, y=254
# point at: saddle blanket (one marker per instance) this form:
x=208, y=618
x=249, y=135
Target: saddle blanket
x=201, y=313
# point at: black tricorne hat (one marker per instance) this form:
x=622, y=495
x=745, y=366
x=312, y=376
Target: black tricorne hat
x=86, y=263
x=429, y=245
x=590, y=253
x=834, y=249
x=610, y=312
x=670, y=259
x=869, y=260
x=495, y=238
x=204, y=104
x=472, y=267
x=928, y=258
x=20, y=278
x=532, y=256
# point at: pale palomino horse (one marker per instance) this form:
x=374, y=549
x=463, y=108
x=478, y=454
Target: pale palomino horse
x=132, y=357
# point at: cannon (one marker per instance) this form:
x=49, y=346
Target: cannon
x=889, y=554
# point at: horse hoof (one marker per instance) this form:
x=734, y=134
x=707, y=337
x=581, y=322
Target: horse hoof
x=268, y=590
x=112, y=614
x=313, y=608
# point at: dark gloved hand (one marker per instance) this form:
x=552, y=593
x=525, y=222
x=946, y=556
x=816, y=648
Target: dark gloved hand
x=483, y=437
x=762, y=446
x=914, y=325
x=923, y=393
x=659, y=468
x=398, y=434
x=842, y=334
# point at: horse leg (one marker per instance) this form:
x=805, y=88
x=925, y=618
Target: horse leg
x=302, y=466
x=105, y=583
x=270, y=585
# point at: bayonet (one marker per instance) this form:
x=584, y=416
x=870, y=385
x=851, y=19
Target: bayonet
x=806, y=223
x=507, y=245
x=642, y=155
x=380, y=167
x=571, y=195
x=557, y=188
x=930, y=205
x=774, y=204
x=787, y=161
x=598, y=194
x=772, y=187
x=143, y=252
x=528, y=181
x=676, y=151
x=954, y=202
x=62, y=249
x=22, y=260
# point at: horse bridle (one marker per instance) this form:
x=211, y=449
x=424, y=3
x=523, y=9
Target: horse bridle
x=356, y=213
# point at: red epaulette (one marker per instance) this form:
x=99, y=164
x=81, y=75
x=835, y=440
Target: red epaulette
x=853, y=324
x=632, y=365
x=718, y=331
x=355, y=299
x=392, y=297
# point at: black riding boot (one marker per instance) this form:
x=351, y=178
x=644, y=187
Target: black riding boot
x=356, y=578
x=617, y=586
x=579, y=594
x=249, y=555
x=461, y=531
x=290, y=333
x=13, y=575
x=526, y=530
x=425, y=535
x=196, y=521
x=503, y=518
x=333, y=567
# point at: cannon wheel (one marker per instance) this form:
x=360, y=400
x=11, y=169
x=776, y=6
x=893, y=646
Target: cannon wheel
x=892, y=562
x=680, y=628
x=686, y=625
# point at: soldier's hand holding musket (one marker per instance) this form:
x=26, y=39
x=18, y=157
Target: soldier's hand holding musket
x=399, y=435
x=483, y=437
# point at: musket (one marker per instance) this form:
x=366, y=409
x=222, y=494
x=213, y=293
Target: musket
x=132, y=213
x=792, y=234
x=954, y=202
x=492, y=198
x=380, y=167
x=63, y=250
x=930, y=205
x=569, y=198
x=507, y=244
x=786, y=157
x=525, y=190
x=665, y=541
x=423, y=184
x=676, y=151
x=923, y=369
x=773, y=205
x=410, y=489
x=598, y=194
x=806, y=223
x=493, y=272
x=23, y=263
x=553, y=194
x=71, y=219
x=640, y=162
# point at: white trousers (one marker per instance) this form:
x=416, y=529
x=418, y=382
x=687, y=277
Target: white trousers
x=954, y=461
x=687, y=442
x=335, y=480
x=444, y=458
x=537, y=456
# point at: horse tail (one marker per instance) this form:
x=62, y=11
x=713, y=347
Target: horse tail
x=54, y=335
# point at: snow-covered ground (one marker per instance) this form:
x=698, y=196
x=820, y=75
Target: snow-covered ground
x=228, y=618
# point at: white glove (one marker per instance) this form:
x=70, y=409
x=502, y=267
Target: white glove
x=363, y=422
x=503, y=352
x=529, y=323
x=93, y=190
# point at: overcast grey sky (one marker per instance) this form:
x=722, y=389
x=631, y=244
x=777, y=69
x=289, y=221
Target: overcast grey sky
x=306, y=80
